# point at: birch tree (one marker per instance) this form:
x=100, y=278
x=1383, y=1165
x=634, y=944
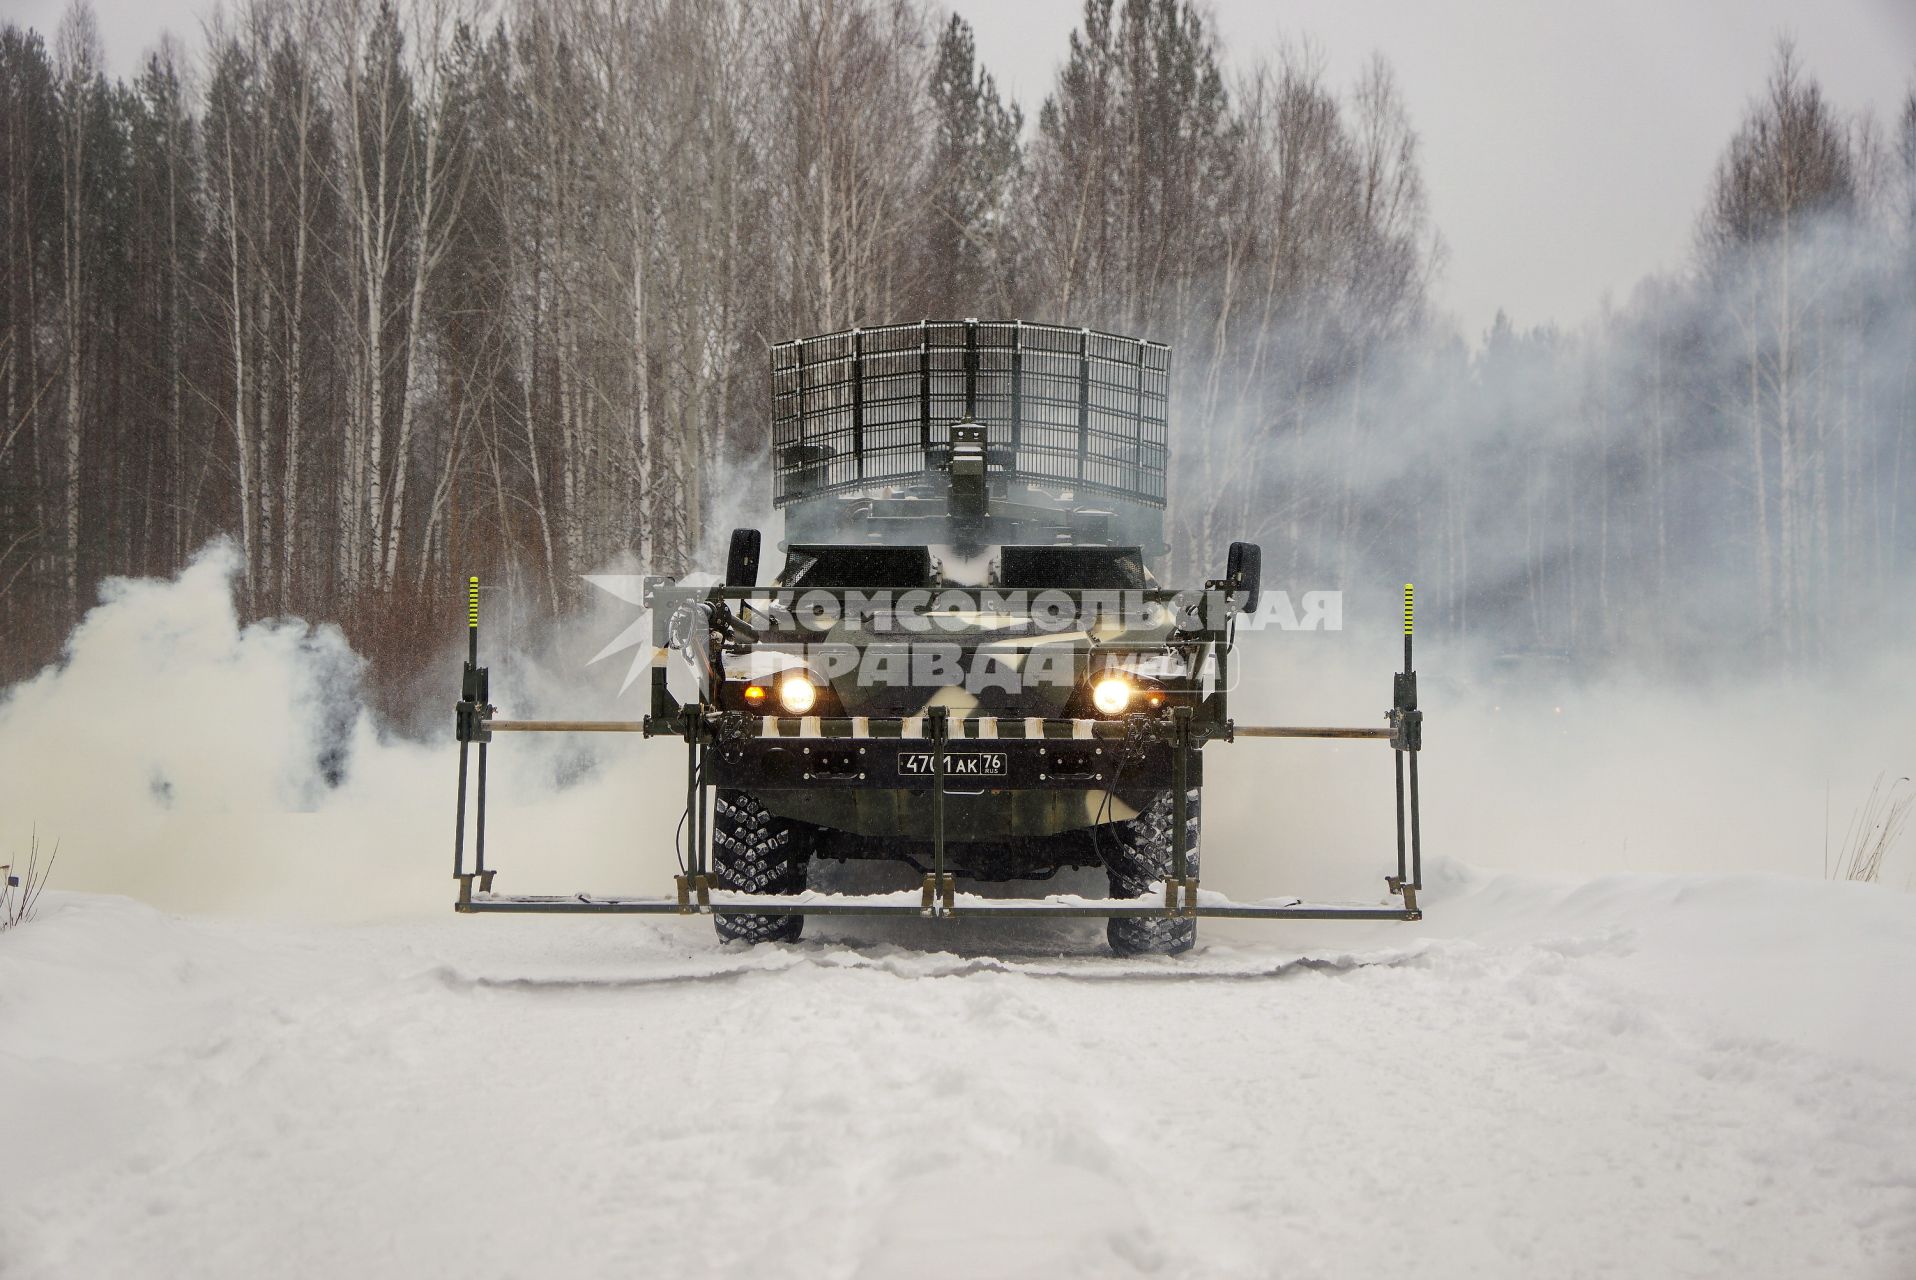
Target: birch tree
x=81, y=92
x=1787, y=167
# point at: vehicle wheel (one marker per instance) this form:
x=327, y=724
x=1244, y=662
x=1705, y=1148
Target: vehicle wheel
x=754, y=851
x=1139, y=857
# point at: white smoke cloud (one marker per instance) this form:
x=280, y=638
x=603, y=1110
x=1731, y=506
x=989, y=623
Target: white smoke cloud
x=205, y=765
x=202, y=764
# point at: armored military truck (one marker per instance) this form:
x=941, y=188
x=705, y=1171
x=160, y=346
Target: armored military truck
x=964, y=659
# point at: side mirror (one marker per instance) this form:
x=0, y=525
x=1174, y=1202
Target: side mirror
x=1243, y=575
x=741, y=562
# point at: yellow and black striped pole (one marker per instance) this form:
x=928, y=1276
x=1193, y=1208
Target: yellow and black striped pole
x=1410, y=594
x=472, y=619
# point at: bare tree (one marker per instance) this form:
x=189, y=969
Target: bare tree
x=969, y=254
x=78, y=58
x=401, y=189
x=844, y=166
x=1788, y=165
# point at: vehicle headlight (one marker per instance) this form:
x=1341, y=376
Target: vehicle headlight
x=1111, y=695
x=796, y=693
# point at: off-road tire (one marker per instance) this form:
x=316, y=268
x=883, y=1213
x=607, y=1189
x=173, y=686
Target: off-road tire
x=754, y=851
x=1139, y=857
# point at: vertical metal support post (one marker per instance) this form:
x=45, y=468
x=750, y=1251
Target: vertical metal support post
x=661, y=693
x=1416, y=834
x=482, y=698
x=803, y=390
x=459, y=831
x=939, y=719
x=1220, y=653
x=1084, y=400
x=479, y=830
x=1397, y=754
x=924, y=386
x=689, y=877
x=971, y=369
x=466, y=689
x=703, y=846
x=692, y=806
x=1180, y=888
x=1416, y=738
x=1137, y=428
x=858, y=401
x=1017, y=389
x=1407, y=739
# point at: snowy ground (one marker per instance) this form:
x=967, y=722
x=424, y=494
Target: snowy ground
x=1630, y=1076
x=1711, y=1074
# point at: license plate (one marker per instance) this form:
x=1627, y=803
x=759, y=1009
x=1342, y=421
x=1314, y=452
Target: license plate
x=958, y=764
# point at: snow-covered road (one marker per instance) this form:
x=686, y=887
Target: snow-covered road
x=1634, y=1076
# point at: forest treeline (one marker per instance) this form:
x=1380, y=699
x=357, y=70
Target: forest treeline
x=391, y=293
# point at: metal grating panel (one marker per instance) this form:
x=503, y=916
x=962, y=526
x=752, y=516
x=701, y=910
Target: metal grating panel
x=1064, y=406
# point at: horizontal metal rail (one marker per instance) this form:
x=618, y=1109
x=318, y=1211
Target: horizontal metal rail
x=668, y=593
x=1288, y=731
x=730, y=903
x=1009, y=728
x=564, y=726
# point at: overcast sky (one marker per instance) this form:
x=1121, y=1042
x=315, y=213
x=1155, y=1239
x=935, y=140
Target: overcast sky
x=1567, y=145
